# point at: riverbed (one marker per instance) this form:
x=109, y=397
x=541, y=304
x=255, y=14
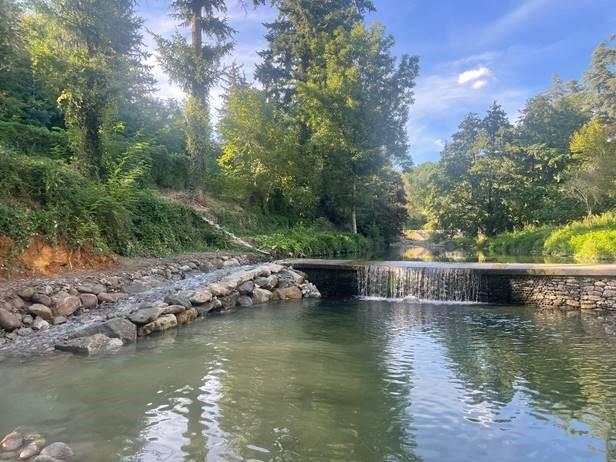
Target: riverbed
x=334, y=380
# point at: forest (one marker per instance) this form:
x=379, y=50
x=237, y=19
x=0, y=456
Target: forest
x=310, y=156
x=544, y=184
x=306, y=158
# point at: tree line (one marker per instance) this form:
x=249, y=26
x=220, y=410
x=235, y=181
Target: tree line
x=555, y=164
x=319, y=134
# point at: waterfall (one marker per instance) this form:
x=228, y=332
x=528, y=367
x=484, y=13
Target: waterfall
x=422, y=283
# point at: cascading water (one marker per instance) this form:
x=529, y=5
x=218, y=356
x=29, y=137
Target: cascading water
x=421, y=283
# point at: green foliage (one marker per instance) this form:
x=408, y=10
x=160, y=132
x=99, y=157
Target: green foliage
x=35, y=141
x=48, y=198
x=312, y=242
x=587, y=241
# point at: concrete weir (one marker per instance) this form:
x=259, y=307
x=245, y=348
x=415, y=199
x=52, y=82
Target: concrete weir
x=570, y=287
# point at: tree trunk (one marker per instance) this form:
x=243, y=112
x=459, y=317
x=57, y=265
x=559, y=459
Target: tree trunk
x=354, y=208
x=197, y=44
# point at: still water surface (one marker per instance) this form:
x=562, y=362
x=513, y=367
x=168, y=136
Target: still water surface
x=334, y=380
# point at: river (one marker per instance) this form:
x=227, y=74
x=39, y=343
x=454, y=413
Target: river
x=346, y=380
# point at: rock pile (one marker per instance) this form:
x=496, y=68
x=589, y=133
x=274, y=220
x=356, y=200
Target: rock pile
x=27, y=445
x=33, y=306
x=243, y=288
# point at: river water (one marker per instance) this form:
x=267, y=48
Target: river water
x=328, y=380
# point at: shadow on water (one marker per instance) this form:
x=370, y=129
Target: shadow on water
x=335, y=380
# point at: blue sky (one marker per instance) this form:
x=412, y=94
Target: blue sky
x=471, y=52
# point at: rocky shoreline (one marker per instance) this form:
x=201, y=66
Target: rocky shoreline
x=91, y=314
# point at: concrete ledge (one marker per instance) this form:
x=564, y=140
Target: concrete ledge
x=512, y=269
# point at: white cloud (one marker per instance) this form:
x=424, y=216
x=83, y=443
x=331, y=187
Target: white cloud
x=479, y=84
x=473, y=75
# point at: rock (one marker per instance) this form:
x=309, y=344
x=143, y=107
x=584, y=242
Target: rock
x=23, y=331
x=45, y=459
x=58, y=450
x=172, y=309
x=145, y=315
x=207, y=267
x=219, y=290
x=26, y=293
x=288, y=278
x=59, y=320
x=41, y=311
x=111, y=297
x=309, y=290
x=12, y=442
x=67, y=306
x=230, y=301
x=268, y=283
x=90, y=288
x=9, y=321
x=231, y=263
x=289, y=293
x=187, y=316
x=117, y=328
x=88, y=301
x=40, y=324
x=185, y=268
x=244, y=301
x=97, y=343
x=261, y=296
x=178, y=300
x=246, y=288
x=17, y=302
x=210, y=307
x=27, y=320
x=163, y=323
x=29, y=451
x=200, y=297
x=43, y=299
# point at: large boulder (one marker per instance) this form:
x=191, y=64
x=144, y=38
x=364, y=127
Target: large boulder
x=246, y=288
x=88, y=301
x=163, y=323
x=119, y=328
x=187, y=316
x=26, y=293
x=41, y=311
x=90, y=287
x=289, y=293
x=41, y=298
x=219, y=290
x=94, y=344
x=66, y=306
x=9, y=321
x=145, y=315
x=230, y=301
x=261, y=296
x=268, y=283
x=290, y=278
x=178, y=300
x=12, y=442
x=200, y=297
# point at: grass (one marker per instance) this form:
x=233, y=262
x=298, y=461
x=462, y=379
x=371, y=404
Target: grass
x=584, y=240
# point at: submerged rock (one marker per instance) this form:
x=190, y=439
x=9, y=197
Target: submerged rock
x=244, y=301
x=163, y=323
x=12, y=442
x=31, y=450
x=92, y=345
x=210, y=307
x=58, y=451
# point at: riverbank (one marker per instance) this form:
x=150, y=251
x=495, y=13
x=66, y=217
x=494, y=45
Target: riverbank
x=91, y=311
x=587, y=241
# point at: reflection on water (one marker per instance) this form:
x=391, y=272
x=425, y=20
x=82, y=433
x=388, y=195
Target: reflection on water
x=335, y=380
x=442, y=254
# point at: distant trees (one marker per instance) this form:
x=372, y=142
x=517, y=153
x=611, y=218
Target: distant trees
x=554, y=165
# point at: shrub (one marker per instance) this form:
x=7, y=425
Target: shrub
x=35, y=141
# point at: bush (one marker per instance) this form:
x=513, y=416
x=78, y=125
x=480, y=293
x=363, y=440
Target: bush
x=311, y=242
x=35, y=141
x=44, y=197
